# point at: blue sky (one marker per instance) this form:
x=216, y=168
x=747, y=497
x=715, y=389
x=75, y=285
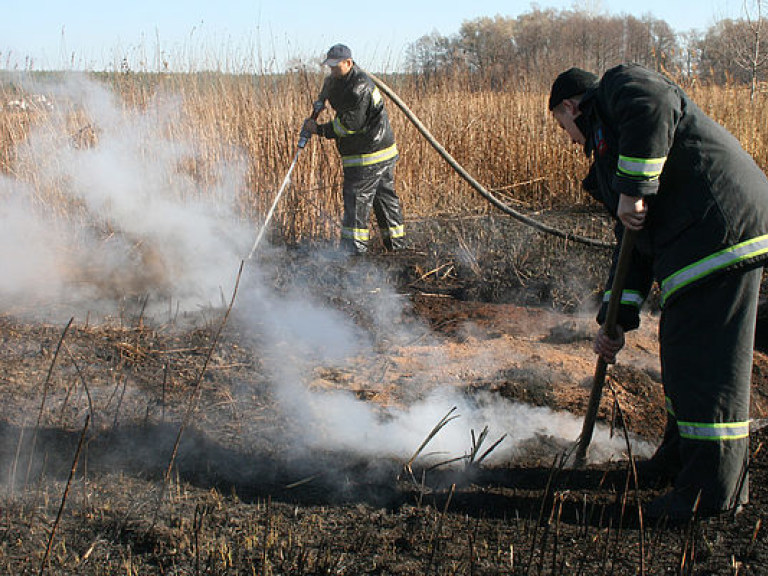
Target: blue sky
x=91, y=34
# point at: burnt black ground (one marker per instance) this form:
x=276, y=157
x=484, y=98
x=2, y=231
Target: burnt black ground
x=259, y=508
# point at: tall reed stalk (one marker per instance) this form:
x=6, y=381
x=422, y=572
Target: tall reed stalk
x=503, y=135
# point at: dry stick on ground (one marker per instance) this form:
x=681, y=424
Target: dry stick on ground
x=752, y=541
x=72, y=470
x=431, y=272
x=633, y=473
x=471, y=544
x=303, y=481
x=16, y=456
x=194, y=396
x=119, y=404
x=82, y=379
x=743, y=475
x=439, y=426
x=422, y=489
x=197, y=526
x=472, y=459
x=556, y=541
x=438, y=529
x=556, y=500
x=535, y=534
x=166, y=372
x=553, y=473
x=688, y=551
x=267, y=528
x=476, y=443
x=476, y=447
x=604, y=555
x=469, y=460
x=65, y=402
x=42, y=401
x=140, y=320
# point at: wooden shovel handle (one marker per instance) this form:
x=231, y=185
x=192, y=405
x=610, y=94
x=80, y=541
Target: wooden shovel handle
x=622, y=267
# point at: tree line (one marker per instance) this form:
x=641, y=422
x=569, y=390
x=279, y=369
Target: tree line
x=541, y=43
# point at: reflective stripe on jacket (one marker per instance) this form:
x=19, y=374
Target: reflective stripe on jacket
x=361, y=126
x=369, y=159
x=707, y=199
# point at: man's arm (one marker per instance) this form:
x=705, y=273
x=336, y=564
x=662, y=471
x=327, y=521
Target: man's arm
x=644, y=110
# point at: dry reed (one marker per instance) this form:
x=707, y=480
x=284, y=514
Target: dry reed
x=502, y=135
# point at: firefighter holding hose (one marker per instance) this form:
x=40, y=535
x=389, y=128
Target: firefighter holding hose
x=697, y=204
x=368, y=152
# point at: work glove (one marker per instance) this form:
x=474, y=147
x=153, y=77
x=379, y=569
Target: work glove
x=309, y=127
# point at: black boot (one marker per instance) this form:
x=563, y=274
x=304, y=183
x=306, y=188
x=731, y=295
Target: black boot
x=661, y=468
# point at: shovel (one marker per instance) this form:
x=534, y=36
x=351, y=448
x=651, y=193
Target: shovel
x=622, y=266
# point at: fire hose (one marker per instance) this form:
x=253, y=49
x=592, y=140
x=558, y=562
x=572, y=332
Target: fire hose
x=474, y=183
x=318, y=107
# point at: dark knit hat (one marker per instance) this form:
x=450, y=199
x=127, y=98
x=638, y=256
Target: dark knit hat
x=336, y=54
x=570, y=83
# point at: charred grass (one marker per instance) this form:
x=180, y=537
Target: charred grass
x=230, y=508
x=103, y=476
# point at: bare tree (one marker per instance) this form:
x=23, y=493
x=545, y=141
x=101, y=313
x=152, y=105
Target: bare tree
x=690, y=55
x=737, y=49
x=541, y=43
x=431, y=53
x=751, y=55
x=488, y=41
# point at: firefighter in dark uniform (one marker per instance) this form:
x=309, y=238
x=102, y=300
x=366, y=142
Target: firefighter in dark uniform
x=368, y=151
x=699, y=206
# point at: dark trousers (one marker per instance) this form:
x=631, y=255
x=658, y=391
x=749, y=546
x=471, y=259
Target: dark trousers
x=367, y=187
x=707, y=338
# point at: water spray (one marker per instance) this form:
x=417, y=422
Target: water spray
x=304, y=137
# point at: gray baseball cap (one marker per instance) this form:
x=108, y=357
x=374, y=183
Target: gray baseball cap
x=336, y=54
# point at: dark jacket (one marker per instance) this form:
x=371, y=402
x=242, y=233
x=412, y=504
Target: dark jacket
x=361, y=126
x=707, y=199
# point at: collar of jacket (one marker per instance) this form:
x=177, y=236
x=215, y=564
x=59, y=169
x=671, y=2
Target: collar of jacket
x=586, y=121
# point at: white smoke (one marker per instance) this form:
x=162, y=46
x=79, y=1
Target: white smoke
x=337, y=420
x=27, y=246
x=106, y=210
x=300, y=334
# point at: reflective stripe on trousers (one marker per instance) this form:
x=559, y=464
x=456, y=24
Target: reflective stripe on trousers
x=707, y=338
x=367, y=187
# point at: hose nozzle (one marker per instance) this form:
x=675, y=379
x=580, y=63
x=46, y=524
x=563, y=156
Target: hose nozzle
x=304, y=136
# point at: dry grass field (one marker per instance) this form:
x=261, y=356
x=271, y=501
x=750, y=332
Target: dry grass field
x=503, y=136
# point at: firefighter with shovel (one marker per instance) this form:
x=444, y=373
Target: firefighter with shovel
x=368, y=151
x=695, y=205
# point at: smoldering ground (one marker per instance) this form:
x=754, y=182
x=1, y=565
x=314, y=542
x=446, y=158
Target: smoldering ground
x=101, y=209
x=97, y=222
